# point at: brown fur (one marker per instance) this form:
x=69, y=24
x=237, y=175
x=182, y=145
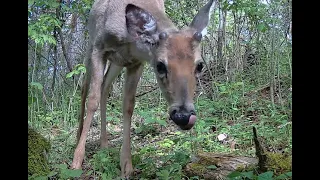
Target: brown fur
x=111, y=41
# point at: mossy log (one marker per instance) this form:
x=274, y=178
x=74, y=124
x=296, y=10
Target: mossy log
x=38, y=148
x=224, y=164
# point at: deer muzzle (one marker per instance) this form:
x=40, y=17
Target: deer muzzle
x=184, y=119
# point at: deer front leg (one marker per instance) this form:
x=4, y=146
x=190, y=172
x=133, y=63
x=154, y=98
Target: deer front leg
x=112, y=72
x=93, y=103
x=132, y=78
x=84, y=94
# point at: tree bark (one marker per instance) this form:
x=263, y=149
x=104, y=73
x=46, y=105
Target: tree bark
x=58, y=14
x=220, y=33
x=55, y=62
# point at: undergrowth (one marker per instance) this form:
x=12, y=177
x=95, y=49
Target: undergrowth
x=159, y=150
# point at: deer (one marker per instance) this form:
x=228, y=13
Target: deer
x=128, y=34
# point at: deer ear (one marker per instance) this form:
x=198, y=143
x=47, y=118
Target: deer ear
x=201, y=20
x=140, y=23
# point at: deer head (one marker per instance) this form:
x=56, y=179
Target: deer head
x=174, y=54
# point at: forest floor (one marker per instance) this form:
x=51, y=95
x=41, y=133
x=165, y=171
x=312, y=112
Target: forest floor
x=159, y=149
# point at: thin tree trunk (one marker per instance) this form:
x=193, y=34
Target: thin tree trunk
x=55, y=63
x=220, y=34
x=272, y=62
x=69, y=66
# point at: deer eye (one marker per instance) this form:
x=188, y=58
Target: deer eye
x=162, y=69
x=199, y=67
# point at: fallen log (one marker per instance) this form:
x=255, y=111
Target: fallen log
x=215, y=166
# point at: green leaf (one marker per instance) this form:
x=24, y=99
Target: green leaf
x=52, y=173
x=54, y=4
x=162, y=122
x=212, y=167
x=48, y=118
x=262, y=27
x=31, y=100
x=81, y=68
x=266, y=176
x=284, y=176
x=238, y=84
x=222, y=88
x=76, y=70
x=72, y=172
x=138, y=130
x=235, y=174
x=248, y=174
x=150, y=120
x=61, y=166
x=70, y=74
x=164, y=174
x=30, y=2
x=41, y=178
x=36, y=85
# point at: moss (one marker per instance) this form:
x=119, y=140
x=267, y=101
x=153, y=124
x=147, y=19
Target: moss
x=278, y=163
x=241, y=168
x=198, y=167
x=37, y=148
x=207, y=159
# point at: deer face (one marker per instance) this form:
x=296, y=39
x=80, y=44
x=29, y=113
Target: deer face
x=177, y=63
x=176, y=58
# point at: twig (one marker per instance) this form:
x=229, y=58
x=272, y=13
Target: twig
x=146, y=92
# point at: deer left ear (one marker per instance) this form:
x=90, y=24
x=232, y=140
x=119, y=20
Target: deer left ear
x=140, y=23
x=201, y=20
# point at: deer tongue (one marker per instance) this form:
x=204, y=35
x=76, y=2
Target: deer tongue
x=192, y=119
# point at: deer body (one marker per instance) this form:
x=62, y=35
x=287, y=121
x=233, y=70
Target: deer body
x=128, y=33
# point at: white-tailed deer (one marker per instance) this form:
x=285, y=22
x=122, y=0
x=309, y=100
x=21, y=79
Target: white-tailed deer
x=128, y=33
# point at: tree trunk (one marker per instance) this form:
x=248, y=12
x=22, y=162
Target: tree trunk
x=220, y=34
x=58, y=14
x=55, y=62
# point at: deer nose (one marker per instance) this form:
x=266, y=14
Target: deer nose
x=185, y=120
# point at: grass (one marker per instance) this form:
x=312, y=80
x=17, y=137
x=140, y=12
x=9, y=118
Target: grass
x=159, y=149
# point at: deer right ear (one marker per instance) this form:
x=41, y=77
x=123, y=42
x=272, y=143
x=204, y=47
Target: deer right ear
x=201, y=20
x=140, y=23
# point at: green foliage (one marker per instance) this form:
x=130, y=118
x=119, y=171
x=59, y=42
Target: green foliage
x=80, y=68
x=40, y=30
x=151, y=118
x=106, y=163
x=33, y=87
x=61, y=172
x=172, y=171
x=65, y=173
x=269, y=175
x=36, y=85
